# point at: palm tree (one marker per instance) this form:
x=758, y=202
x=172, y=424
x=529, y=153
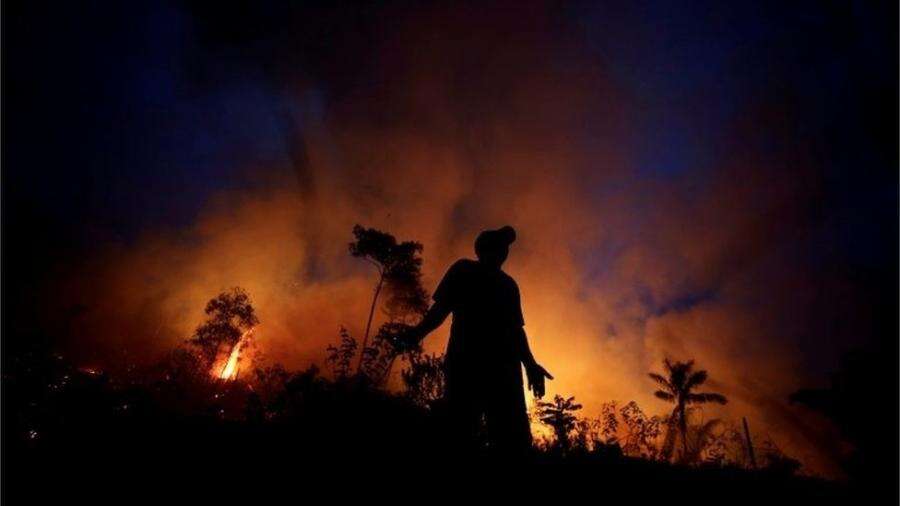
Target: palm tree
x=678, y=388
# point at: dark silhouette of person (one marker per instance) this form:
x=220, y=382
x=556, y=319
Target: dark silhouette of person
x=487, y=349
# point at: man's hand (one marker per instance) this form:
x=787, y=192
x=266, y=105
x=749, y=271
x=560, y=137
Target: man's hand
x=536, y=375
x=407, y=339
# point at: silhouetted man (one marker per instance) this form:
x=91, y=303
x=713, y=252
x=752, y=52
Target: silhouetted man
x=487, y=348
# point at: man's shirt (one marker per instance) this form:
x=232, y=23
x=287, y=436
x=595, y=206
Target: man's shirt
x=487, y=314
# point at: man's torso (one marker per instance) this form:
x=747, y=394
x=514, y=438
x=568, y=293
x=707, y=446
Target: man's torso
x=486, y=316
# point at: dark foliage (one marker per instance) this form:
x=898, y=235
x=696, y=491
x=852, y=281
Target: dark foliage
x=339, y=357
x=229, y=315
x=424, y=379
x=166, y=428
x=399, y=268
x=559, y=415
x=642, y=432
x=854, y=404
x=378, y=358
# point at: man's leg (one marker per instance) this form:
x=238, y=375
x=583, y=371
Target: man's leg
x=464, y=413
x=509, y=431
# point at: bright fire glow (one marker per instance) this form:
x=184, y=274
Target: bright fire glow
x=229, y=372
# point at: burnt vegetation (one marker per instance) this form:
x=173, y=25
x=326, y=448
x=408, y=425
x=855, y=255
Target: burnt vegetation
x=183, y=416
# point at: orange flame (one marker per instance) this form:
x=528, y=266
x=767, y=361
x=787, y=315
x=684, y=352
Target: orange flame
x=229, y=372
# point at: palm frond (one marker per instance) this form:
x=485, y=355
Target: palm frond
x=703, y=398
x=661, y=380
x=679, y=373
x=695, y=379
x=666, y=396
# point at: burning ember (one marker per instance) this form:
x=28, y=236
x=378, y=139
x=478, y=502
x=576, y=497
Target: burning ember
x=230, y=370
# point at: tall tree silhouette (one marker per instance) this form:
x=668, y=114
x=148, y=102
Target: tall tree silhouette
x=678, y=387
x=399, y=268
x=229, y=315
x=559, y=416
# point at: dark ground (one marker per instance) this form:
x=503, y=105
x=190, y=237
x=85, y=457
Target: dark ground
x=78, y=435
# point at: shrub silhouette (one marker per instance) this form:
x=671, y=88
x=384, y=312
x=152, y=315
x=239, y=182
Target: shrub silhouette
x=609, y=424
x=702, y=436
x=642, y=432
x=378, y=358
x=424, y=379
x=339, y=357
x=559, y=416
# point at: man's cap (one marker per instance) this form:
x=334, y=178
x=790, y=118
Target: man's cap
x=491, y=239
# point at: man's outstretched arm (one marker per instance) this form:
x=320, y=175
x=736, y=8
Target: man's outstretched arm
x=535, y=373
x=433, y=319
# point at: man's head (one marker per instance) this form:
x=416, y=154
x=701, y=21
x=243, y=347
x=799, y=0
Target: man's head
x=492, y=246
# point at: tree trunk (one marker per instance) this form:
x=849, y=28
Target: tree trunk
x=387, y=372
x=682, y=422
x=750, y=453
x=362, y=349
x=668, y=448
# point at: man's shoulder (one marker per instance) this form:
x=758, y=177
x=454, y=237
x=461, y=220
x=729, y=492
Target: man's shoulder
x=463, y=265
x=509, y=281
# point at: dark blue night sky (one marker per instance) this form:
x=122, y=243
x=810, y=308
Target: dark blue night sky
x=110, y=107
